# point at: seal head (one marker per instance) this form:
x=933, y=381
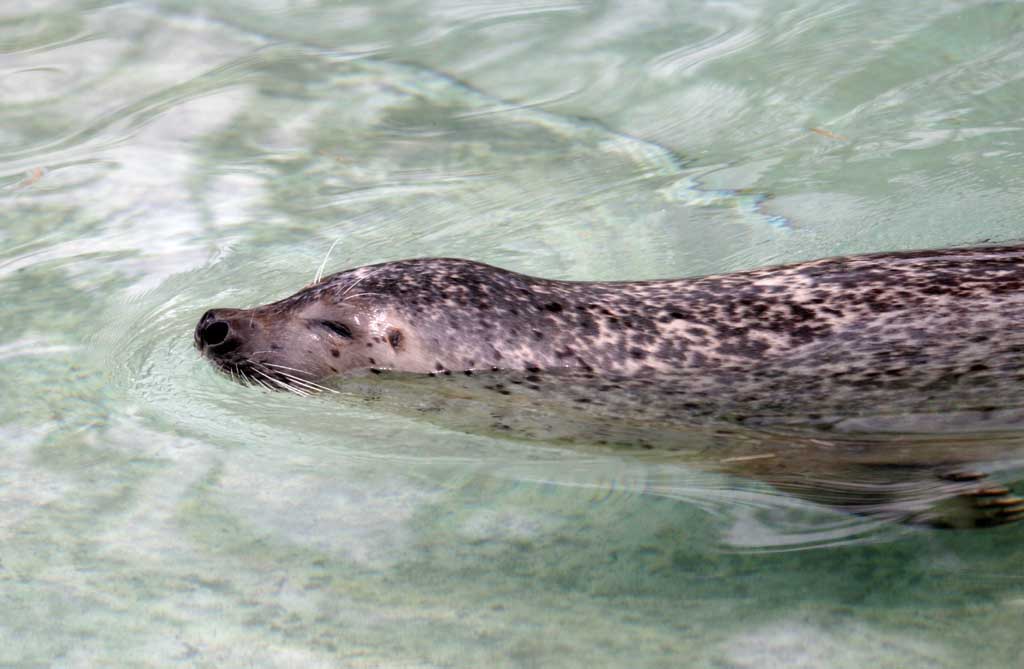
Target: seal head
x=298, y=341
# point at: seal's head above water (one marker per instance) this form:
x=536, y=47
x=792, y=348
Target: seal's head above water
x=328, y=329
x=429, y=316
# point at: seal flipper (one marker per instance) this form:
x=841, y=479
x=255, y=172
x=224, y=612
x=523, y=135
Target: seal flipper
x=923, y=495
x=981, y=505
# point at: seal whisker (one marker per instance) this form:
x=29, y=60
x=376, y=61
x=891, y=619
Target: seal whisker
x=279, y=366
x=283, y=385
x=348, y=289
x=293, y=382
x=261, y=384
x=352, y=297
x=298, y=391
x=296, y=381
x=298, y=378
x=320, y=271
x=304, y=383
x=241, y=377
x=258, y=381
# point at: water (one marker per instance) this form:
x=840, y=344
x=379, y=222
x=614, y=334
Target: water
x=156, y=159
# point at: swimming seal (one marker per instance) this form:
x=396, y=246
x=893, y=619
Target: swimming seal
x=906, y=343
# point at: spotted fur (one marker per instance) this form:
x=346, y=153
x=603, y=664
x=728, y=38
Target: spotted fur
x=927, y=330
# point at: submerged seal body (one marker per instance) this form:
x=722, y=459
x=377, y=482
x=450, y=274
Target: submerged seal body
x=907, y=342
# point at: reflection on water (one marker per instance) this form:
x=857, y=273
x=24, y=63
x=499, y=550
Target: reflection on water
x=159, y=158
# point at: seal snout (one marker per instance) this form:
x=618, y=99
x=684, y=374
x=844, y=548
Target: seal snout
x=213, y=331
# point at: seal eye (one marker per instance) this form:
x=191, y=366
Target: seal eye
x=337, y=328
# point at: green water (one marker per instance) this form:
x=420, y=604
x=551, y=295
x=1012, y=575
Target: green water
x=157, y=159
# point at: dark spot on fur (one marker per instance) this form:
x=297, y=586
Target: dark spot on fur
x=553, y=307
x=395, y=338
x=800, y=313
x=335, y=353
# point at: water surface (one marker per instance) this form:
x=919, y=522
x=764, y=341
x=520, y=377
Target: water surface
x=157, y=159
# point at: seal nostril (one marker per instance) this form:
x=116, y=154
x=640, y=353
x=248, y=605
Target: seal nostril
x=215, y=333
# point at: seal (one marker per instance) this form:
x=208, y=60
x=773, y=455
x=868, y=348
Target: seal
x=923, y=343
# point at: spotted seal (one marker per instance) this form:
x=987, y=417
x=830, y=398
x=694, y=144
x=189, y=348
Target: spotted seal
x=918, y=343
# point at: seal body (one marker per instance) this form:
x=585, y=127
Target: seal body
x=918, y=331
x=880, y=377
